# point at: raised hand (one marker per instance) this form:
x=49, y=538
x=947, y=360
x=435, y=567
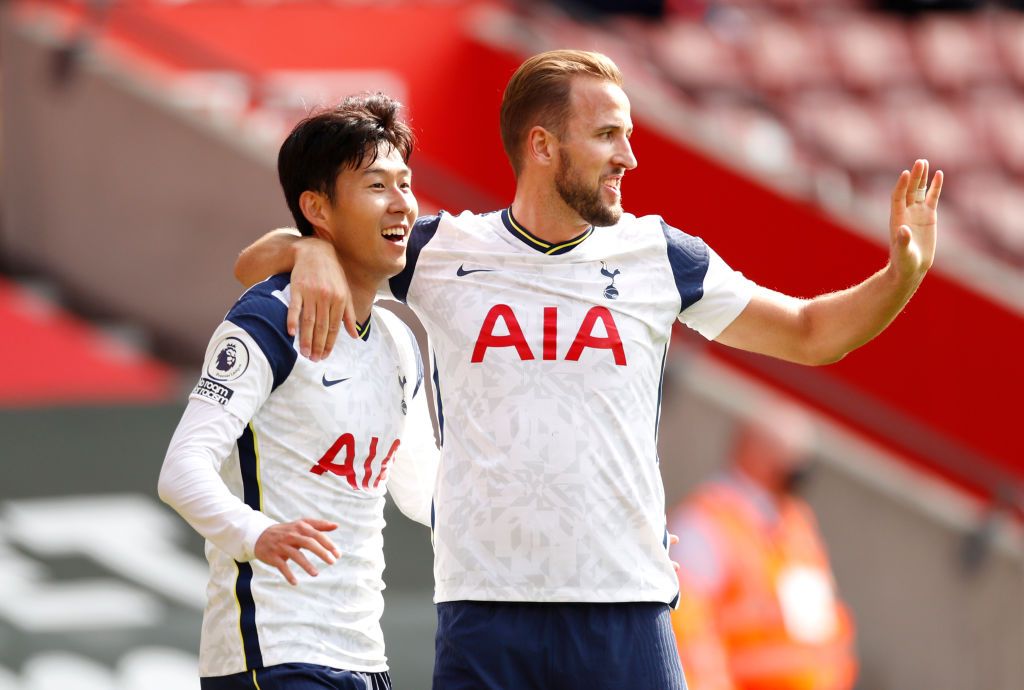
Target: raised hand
x=913, y=221
x=282, y=543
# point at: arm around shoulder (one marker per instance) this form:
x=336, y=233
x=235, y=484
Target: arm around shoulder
x=269, y=255
x=320, y=300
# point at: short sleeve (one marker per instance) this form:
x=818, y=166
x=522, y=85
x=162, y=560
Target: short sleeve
x=726, y=295
x=250, y=353
x=236, y=374
x=711, y=294
x=262, y=312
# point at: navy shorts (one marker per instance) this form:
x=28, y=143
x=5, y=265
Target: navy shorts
x=298, y=677
x=518, y=646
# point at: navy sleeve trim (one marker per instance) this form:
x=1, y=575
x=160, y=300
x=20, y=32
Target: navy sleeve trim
x=423, y=231
x=265, y=318
x=689, y=258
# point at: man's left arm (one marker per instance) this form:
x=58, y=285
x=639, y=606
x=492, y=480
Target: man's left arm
x=824, y=329
x=319, y=290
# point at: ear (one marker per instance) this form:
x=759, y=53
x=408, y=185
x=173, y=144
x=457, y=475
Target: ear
x=541, y=146
x=316, y=209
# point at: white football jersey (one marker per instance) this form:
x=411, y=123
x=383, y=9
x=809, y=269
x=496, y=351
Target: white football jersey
x=303, y=439
x=548, y=363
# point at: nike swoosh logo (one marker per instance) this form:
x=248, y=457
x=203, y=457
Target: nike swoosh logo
x=328, y=382
x=463, y=272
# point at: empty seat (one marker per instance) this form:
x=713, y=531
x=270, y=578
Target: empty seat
x=846, y=130
x=752, y=134
x=997, y=202
x=1009, y=32
x=932, y=128
x=998, y=116
x=871, y=52
x=695, y=58
x=785, y=55
x=957, y=51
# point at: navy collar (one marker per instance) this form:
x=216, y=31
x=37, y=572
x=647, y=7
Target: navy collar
x=363, y=329
x=536, y=243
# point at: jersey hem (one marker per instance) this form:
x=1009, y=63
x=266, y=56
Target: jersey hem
x=317, y=660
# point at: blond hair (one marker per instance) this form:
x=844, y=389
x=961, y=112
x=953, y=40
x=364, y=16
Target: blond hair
x=538, y=94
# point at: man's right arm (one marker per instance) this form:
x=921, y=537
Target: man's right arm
x=318, y=286
x=237, y=378
x=190, y=483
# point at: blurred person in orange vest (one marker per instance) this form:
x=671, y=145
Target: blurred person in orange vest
x=758, y=608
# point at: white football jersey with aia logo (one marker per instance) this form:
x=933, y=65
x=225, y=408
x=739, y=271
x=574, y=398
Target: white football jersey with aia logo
x=304, y=439
x=548, y=362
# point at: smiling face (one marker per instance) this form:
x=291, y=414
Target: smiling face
x=370, y=216
x=594, y=152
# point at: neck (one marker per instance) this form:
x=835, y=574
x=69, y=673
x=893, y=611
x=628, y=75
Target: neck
x=539, y=208
x=362, y=290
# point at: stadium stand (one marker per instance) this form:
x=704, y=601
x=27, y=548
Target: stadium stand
x=894, y=84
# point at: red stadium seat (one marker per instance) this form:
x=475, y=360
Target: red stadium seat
x=754, y=134
x=1009, y=32
x=845, y=130
x=785, y=55
x=694, y=57
x=957, y=52
x=997, y=202
x=998, y=116
x=935, y=129
x=871, y=52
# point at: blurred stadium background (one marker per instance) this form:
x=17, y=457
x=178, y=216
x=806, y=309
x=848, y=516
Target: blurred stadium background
x=138, y=141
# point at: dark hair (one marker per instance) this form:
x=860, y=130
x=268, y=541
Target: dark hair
x=333, y=138
x=538, y=94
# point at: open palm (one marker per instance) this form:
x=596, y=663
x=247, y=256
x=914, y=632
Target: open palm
x=913, y=219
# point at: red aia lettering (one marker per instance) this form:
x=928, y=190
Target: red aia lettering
x=585, y=336
x=387, y=461
x=550, y=333
x=347, y=468
x=488, y=338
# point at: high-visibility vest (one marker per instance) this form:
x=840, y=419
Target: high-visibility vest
x=775, y=624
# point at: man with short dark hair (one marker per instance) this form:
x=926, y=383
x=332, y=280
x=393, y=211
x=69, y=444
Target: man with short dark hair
x=270, y=438
x=549, y=323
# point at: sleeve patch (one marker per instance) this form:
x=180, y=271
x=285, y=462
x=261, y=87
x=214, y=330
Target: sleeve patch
x=211, y=390
x=230, y=361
